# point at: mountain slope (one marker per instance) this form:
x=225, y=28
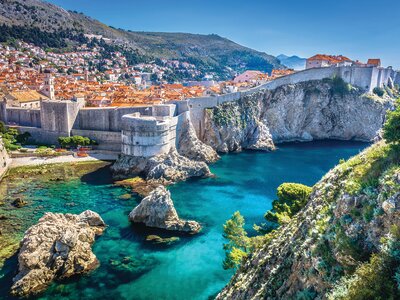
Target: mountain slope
x=212, y=51
x=342, y=245
x=292, y=62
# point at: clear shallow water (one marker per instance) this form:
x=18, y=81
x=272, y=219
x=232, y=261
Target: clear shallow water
x=192, y=268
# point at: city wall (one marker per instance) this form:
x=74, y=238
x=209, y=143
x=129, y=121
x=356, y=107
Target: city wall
x=117, y=128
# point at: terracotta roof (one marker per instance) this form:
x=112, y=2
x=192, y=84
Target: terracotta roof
x=27, y=96
x=374, y=61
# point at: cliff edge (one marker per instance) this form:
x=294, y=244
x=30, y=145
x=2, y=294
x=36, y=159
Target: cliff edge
x=342, y=245
x=312, y=110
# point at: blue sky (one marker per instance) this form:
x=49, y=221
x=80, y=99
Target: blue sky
x=359, y=29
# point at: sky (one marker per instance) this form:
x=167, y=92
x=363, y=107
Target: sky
x=359, y=29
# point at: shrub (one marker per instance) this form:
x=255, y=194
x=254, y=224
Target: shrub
x=391, y=129
x=292, y=197
x=339, y=86
x=3, y=128
x=75, y=141
x=378, y=91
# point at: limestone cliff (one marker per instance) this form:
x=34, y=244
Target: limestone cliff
x=191, y=147
x=351, y=214
x=4, y=159
x=57, y=247
x=305, y=111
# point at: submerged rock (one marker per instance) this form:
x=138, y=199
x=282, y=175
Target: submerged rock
x=57, y=247
x=157, y=210
x=19, y=202
x=165, y=168
x=155, y=239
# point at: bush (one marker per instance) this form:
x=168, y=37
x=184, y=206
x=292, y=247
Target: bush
x=75, y=141
x=339, y=86
x=391, y=128
x=292, y=197
x=378, y=91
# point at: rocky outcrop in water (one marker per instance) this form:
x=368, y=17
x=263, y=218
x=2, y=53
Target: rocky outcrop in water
x=352, y=212
x=57, y=247
x=157, y=210
x=305, y=111
x=165, y=168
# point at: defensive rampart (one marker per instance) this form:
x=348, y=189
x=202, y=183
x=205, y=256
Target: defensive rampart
x=147, y=130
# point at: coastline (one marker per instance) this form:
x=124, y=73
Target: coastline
x=37, y=161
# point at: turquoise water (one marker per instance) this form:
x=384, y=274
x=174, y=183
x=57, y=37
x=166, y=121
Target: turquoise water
x=191, y=268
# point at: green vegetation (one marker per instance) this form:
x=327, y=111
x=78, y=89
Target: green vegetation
x=339, y=86
x=292, y=197
x=75, y=141
x=378, y=91
x=238, y=245
x=12, y=139
x=379, y=278
x=391, y=129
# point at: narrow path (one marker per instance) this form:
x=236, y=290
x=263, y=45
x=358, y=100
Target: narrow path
x=93, y=156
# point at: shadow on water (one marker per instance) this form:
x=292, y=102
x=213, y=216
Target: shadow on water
x=8, y=271
x=139, y=233
x=101, y=176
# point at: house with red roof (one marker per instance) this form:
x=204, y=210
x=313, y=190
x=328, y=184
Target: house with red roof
x=323, y=60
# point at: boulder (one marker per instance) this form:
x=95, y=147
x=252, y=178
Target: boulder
x=57, y=247
x=157, y=210
x=165, y=168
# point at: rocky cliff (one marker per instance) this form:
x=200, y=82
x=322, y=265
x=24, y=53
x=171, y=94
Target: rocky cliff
x=340, y=246
x=325, y=109
x=4, y=159
x=57, y=247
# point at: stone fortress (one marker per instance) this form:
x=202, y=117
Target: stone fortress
x=148, y=131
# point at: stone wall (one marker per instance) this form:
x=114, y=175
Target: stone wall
x=4, y=159
x=23, y=117
x=107, y=140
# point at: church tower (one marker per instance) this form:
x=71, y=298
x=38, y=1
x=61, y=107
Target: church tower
x=48, y=89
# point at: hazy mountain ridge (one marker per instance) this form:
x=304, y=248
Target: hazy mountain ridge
x=293, y=62
x=212, y=51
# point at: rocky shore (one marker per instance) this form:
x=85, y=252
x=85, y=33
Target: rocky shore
x=157, y=210
x=57, y=247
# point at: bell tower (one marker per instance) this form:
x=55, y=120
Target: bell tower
x=48, y=89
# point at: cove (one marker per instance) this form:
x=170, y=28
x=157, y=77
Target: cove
x=130, y=267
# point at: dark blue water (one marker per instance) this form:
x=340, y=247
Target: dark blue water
x=191, y=268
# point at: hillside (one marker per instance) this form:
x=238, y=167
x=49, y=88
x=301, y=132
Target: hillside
x=344, y=241
x=292, y=62
x=209, y=52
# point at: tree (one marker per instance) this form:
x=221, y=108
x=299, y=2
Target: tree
x=3, y=128
x=23, y=138
x=238, y=245
x=292, y=197
x=391, y=129
x=378, y=91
